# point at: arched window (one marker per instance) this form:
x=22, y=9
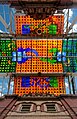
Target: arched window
x=25, y=107
x=51, y=107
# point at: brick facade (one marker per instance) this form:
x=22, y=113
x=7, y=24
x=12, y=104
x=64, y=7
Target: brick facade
x=66, y=107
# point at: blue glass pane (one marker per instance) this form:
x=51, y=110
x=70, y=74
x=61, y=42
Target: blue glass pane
x=2, y=14
x=2, y=27
x=25, y=29
x=25, y=82
x=7, y=18
x=6, y=8
x=13, y=24
x=1, y=8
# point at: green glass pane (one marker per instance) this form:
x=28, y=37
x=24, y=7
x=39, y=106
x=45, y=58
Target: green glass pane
x=56, y=85
x=55, y=81
x=54, y=50
x=53, y=27
x=51, y=32
x=52, y=84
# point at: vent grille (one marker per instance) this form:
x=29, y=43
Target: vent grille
x=25, y=107
x=51, y=107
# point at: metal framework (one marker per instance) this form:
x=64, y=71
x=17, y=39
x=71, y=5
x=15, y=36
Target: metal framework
x=66, y=35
